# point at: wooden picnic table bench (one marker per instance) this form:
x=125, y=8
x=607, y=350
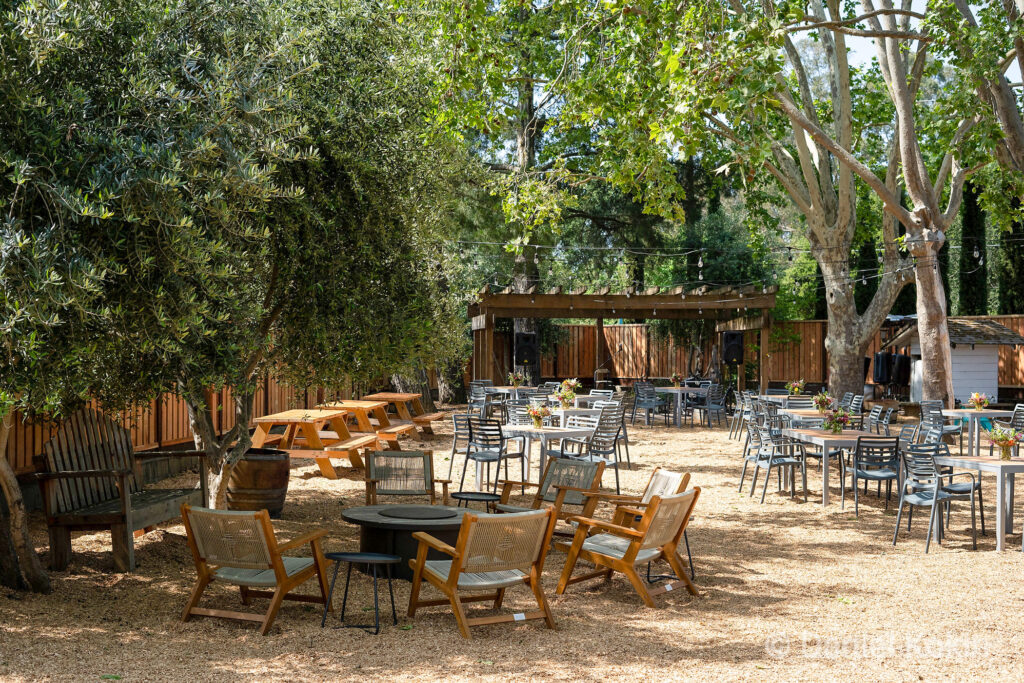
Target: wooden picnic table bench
x=409, y=408
x=305, y=437
x=91, y=479
x=372, y=417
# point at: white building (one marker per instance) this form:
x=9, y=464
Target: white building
x=975, y=354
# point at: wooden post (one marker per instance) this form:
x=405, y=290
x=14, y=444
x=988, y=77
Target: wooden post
x=647, y=351
x=598, y=348
x=763, y=361
x=488, y=371
x=741, y=369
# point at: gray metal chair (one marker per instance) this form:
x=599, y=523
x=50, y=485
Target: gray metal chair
x=872, y=418
x=460, y=426
x=777, y=453
x=714, y=405
x=876, y=458
x=647, y=400
x=488, y=444
x=922, y=487
x=621, y=440
x=934, y=436
x=603, y=445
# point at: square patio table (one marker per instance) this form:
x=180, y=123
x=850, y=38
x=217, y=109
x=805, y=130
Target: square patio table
x=544, y=434
x=679, y=393
x=973, y=428
x=827, y=441
x=1005, y=471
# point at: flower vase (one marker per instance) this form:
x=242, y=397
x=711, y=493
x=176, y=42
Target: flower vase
x=676, y=384
x=538, y=423
x=1005, y=452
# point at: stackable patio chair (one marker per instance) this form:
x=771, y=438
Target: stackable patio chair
x=800, y=403
x=648, y=401
x=872, y=419
x=493, y=553
x=934, y=436
x=239, y=548
x=460, y=432
x=778, y=452
x=713, y=405
x=402, y=473
x=932, y=417
x=489, y=445
x=876, y=458
x=617, y=548
x=923, y=487
x=603, y=445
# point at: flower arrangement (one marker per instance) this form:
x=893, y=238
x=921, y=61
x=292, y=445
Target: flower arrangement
x=823, y=401
x=518, y=378
x=795, y=387
x=1006, y=439
x=537, y=413
x=565, y=397
x=978, y=401
x=676, y=379
x=572, y=385
x=836, y=420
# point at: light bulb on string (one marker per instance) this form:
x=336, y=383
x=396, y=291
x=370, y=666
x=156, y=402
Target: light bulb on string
x=700, y=275
x=981, y=261
x=700, y=261
x=976, y=254
x=864, y=279
x=764, y=288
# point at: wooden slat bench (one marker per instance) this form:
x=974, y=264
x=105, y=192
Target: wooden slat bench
x=91, y=479
x=394, y=430
x=424, y=421
x=349, y=448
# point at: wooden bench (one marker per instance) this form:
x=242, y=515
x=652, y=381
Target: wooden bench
x=424, y=421
x=393, y=431
x=91, y=479
x=350, y=448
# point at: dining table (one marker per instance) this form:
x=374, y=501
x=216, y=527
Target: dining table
x=973, y=416
x=583, y=400
x=543, y=434
x=801, y=415
x=680, y=393
x=827, y=441
x=1005, y=472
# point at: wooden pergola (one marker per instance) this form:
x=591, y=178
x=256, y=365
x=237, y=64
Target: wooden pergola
x=675, y=303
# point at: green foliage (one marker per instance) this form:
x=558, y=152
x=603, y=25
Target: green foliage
x=195, y=192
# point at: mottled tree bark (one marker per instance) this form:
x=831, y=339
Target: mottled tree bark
x=20, y=566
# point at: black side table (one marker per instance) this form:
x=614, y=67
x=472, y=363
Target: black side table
x=464, y=498
x=373, y=560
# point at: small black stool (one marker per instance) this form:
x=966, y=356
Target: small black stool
x=373, y=560
x=464, y=498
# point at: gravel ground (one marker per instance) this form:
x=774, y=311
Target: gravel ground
x=786, y=589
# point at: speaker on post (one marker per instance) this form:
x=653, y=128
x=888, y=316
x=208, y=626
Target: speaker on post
x=732, y=348
x=883, y=368
x=527, y=353
x=901, y=369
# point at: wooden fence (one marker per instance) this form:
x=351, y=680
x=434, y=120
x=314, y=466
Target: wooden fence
x=163, y=422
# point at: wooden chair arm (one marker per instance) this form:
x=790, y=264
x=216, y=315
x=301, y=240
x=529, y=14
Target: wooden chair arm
x=612, y=497
x=426, y=539
x=623, y=510
x=590, y=492
x=510, y=482
x=302, y=540
x=625, y=532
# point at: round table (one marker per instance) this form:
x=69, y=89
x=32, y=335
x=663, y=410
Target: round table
x=391, y=533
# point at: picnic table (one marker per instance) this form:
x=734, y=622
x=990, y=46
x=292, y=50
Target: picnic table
x=409, y=408
x=366, y=413
x=679, y=393
x=827, y=441
x=1005, y=471
x=973, y=428
x=307, y=425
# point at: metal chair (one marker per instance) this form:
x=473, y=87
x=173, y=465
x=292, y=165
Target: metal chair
x=846, y=400
x=402, y=473
x=603, y=445
x=931, y=414
x=240, y=548
x=922, y=487
x=799, y=403
x=934, y=436
x=460, y=426
x=493, y=553
x=487, y=445
x=883, y=424
x=621, y=439
x=876, y=458
x=714, y=405
x=872, y=418
x=620, y=549
x=776, y=452
x=647, y=400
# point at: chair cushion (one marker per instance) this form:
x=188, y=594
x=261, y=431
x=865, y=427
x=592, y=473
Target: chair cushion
x=505, y=507
x=475, y=581
x=616, y=546
x=262, y=577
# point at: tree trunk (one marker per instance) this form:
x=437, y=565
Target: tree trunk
x=222, y=451
x=418, y=384
x=21, y=566
x=932, y=328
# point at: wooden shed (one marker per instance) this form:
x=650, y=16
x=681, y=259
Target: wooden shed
x=975, y=354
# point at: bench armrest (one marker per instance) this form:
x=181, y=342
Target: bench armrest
x=302, y=540
x=142, y=455
x=83, y=474
x=426, y=539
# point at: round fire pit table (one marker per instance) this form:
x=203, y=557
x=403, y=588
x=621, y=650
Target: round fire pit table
x=388, y=529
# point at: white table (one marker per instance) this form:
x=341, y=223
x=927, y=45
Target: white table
x=544, y=434
x=827, y=441
x=564, y=413
x=781, y=399
x=1004, y=470
x=511, y=391
x=973, y=428
x=590, y=398
x=679, y=392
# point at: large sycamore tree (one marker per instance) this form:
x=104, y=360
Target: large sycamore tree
x=656, y=81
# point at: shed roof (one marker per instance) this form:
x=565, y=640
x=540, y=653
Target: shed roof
x=966, y=331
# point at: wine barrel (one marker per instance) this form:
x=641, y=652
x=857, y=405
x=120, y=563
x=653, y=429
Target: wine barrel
x=259, y=481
